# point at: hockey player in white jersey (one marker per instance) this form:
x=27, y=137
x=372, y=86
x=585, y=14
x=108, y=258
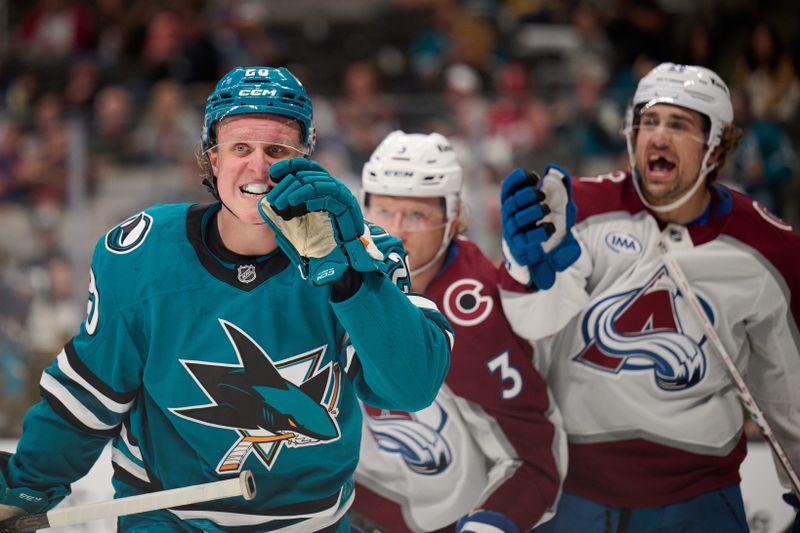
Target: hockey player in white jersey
x=489, y=453
x=236, y=335
x=654, y=426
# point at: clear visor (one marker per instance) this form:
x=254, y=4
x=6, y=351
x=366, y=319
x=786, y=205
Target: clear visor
x=674, y=125
x=273, y=150
x=416, y=220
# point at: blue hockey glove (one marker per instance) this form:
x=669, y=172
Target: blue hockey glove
x=318, y=222
x=538, y=215
x=18, y=501
x=485, y=522
x=791, y=499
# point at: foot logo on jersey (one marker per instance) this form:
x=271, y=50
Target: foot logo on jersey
x=416, y=437
x=641, y=331
x=268, y=405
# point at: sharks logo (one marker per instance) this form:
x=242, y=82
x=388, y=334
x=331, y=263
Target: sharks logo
x=641, y=330
x=416, y=437
x=129, y=234
x=268, y=405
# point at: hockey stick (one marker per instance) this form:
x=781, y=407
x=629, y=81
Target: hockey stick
x=746, y=397
x=244, y=485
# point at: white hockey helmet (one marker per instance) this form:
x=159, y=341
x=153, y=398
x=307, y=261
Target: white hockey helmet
x=689, y=86
x=415, y=164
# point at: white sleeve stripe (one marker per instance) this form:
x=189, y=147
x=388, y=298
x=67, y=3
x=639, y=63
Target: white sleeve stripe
x=451, y=338
x=479, y=527
x=111, y=405
x=129, y=466
x=75, y=407
x=135, y=451
x=422, y=302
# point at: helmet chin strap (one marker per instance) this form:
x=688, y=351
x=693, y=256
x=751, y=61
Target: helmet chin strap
x=442, y=248
x=701, y=179
x=705, y=168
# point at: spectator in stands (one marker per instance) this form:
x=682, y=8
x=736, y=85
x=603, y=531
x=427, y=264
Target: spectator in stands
x=517, y=115
x=54, y=314
x=768, y=76
x=43, y=170
x=766, y=163
x=364, y=115
x=54, y=30
x=11, y=148
x=112, y=141
x=592, y=124
x=167, y=131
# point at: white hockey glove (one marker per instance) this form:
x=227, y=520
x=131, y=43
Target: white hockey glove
x=317, y=222
x=538, y=215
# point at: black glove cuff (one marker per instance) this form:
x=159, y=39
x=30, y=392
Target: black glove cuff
x=346, y=286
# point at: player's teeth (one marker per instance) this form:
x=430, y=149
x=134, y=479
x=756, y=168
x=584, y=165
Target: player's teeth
x=255, y=188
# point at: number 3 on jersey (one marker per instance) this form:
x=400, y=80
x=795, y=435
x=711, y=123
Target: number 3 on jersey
x=507, y=373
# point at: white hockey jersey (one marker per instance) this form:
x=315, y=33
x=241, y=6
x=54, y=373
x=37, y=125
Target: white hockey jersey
x=492, y=438
x=651, y=415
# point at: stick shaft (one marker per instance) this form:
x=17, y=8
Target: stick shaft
x=243, y=485
x=746, y=397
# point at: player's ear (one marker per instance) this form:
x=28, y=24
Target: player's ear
x=213, y=160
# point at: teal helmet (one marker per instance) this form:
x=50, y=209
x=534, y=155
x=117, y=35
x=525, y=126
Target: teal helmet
x=246, y=90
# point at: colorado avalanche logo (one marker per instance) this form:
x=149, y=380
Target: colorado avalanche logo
x=267, y=405
x=416, y=437
x=640, y=330
x=465, y=305
x=129, y=234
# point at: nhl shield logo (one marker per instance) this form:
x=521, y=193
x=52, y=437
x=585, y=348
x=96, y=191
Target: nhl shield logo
x=246, y=273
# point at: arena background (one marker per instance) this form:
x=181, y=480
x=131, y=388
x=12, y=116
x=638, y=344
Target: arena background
x=101, y=108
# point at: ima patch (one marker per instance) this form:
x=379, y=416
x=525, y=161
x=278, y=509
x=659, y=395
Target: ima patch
x=129, y=234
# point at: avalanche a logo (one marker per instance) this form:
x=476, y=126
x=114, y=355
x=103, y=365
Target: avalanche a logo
x=641, y=331
x=267, y=405
x=129, y=234
x=416, y=437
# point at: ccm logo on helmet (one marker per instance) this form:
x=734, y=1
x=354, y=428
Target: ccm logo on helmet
x=258, y=92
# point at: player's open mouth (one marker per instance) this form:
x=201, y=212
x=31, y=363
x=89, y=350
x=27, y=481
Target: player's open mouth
x=659, y=167
x=255, y=189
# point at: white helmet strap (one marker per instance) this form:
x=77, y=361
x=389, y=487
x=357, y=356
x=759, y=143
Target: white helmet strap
x=442, y=248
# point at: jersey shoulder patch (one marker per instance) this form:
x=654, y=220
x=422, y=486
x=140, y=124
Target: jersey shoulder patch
x=129, y=234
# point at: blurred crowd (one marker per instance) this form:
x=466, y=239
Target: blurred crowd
x=101, y=109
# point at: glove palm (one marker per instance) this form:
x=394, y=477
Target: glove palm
x=317, y=222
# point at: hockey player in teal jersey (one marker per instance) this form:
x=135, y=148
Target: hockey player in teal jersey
x=235, y=335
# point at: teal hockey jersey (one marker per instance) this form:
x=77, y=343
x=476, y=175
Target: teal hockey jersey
x=197, y=369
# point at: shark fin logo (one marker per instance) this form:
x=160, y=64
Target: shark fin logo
x=268, y=405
